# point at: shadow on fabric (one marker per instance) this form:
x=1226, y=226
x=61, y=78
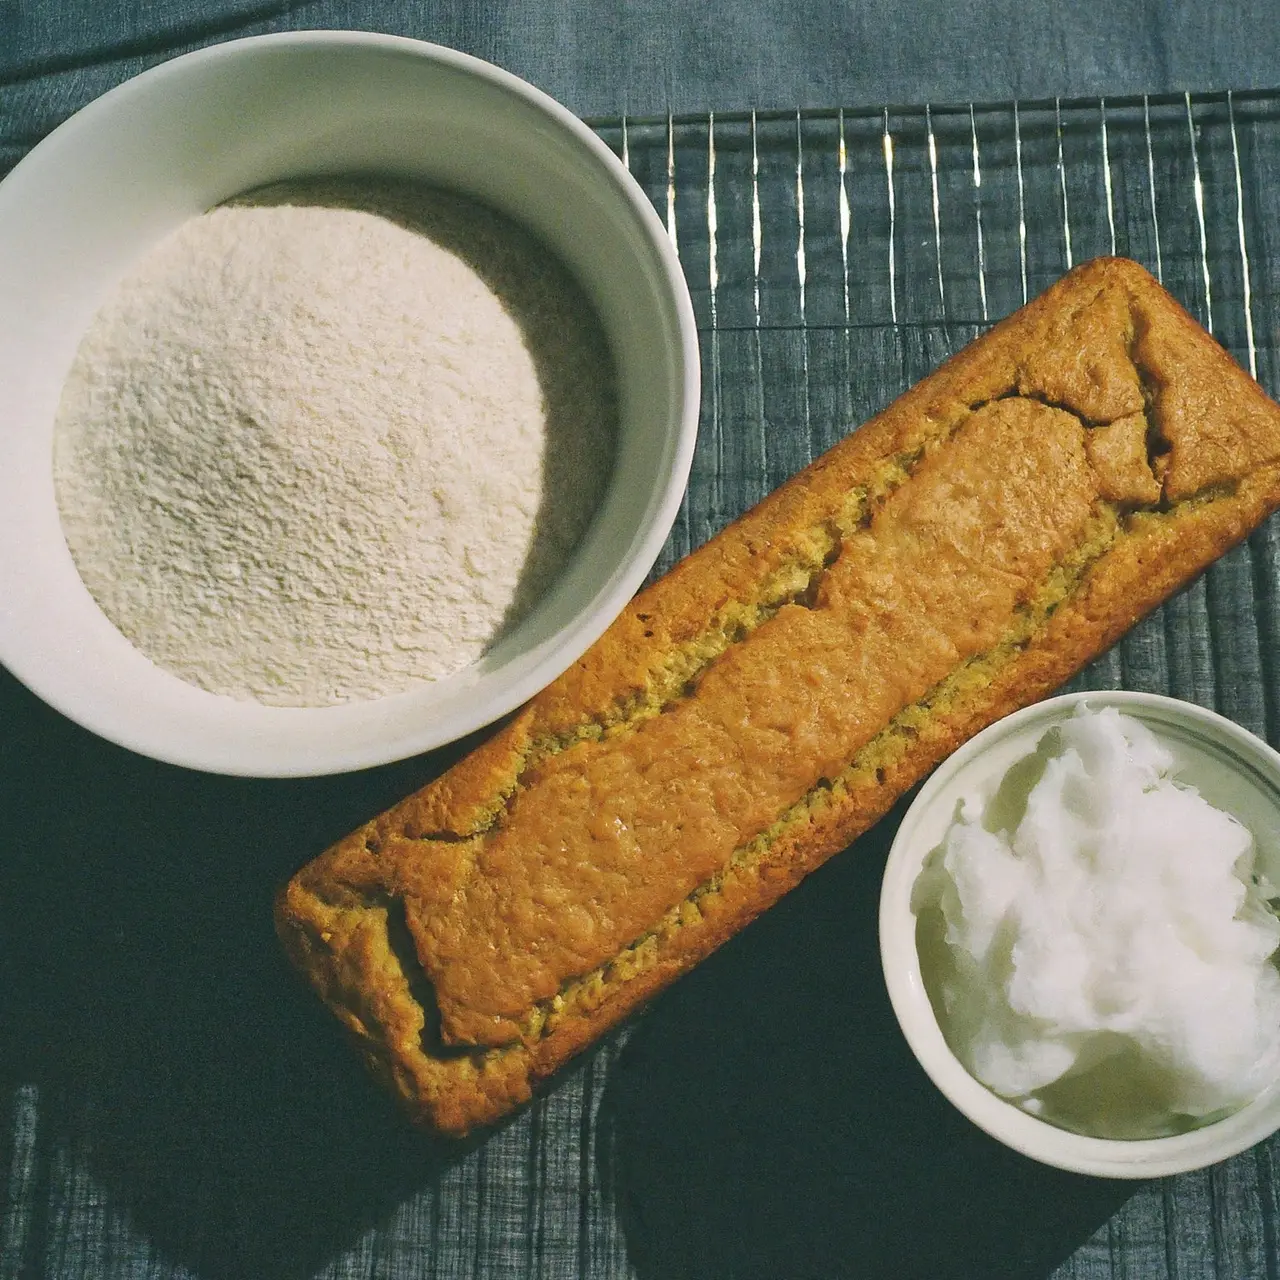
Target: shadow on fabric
x=147, y=999
x=767, y=1119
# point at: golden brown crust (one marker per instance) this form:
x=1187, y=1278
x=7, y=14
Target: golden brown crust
x=962, y=554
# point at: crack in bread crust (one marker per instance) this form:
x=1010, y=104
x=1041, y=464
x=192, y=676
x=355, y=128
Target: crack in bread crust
x=797, y=582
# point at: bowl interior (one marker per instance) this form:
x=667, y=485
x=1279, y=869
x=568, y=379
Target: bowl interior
x=1231, y=768
x=129, y=168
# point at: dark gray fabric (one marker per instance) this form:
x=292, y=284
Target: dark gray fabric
x=643, y=56
x=172, y=1104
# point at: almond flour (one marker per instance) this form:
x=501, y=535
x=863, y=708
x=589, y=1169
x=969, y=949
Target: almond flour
x=327, y=442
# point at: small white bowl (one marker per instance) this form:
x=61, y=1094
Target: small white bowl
x=129, y=168
x=1232, y=768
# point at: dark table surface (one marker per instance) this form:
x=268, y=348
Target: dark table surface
x=172, y=1104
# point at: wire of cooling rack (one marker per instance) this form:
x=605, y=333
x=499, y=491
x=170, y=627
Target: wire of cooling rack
x=1244, y=250
x=977, y=202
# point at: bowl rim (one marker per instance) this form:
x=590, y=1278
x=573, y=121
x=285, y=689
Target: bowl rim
x=574, y=637
x=1002, y=1120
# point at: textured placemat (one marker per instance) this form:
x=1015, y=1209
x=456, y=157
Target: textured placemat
x=177, y=1106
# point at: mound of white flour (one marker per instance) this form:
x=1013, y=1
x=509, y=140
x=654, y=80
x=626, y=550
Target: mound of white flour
x=328, y=441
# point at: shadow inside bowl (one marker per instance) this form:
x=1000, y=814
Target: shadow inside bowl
x=146, y=999
x=767, y=1119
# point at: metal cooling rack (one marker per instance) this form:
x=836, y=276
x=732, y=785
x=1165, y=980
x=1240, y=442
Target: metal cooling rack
x=835, y=256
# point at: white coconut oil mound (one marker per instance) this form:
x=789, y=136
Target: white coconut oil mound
x=1105, y=959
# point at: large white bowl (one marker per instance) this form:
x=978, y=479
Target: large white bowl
x=1231, y=768
x=125, y=171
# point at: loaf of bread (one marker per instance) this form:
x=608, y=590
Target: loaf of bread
x=959, y=556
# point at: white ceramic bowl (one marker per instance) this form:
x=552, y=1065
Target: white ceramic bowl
x=1232, y=768
x=126, y=170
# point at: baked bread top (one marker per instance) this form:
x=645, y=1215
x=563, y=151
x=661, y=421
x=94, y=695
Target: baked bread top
x=960, y=554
